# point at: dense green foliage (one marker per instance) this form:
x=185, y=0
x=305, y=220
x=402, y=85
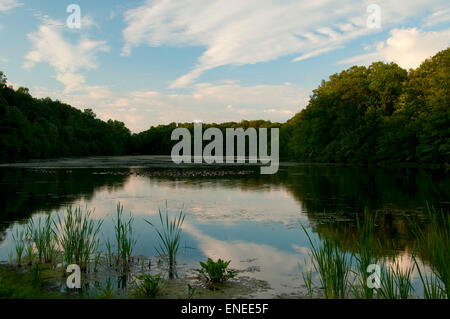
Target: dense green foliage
x=156, y=140
x=375, y=114
x=42, y=128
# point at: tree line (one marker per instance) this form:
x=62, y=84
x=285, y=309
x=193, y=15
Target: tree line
x=362, y=115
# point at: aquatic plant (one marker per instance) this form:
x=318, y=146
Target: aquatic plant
x=109, y=253
x=216, y=271
x=333, y=267
x=169, y=235
x=434, y=245
x=307, y=279
x=19, y=245
x=36, y=274
x=366, y=246
x=125, y=239
x=78, y=237
x=190, y=291
x=148, y=286
x=432, y=286
x=96, y=261
x=30, y=254
x=107, y=291
x=44, y=238
x=395, y=281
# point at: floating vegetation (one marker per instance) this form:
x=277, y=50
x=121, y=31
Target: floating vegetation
x=180, y=173
x=197, y=173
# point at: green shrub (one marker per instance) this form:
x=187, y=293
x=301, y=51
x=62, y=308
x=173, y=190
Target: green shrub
x=149, y=286
x=216, y=272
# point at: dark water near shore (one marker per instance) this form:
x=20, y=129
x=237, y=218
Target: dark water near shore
x=232, y=212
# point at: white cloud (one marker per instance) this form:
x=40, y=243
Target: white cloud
x=6, y=5
x=437, y=17
x=87, y=21
x=237, y=33
x=50, y=46
x=406, y=47
x=209, y=102
x=313, y=54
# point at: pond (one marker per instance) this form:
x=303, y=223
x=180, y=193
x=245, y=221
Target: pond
x=232, y=213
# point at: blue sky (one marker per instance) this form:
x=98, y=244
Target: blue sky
x=155, y=62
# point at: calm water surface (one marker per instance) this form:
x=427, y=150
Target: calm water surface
x=254, y=220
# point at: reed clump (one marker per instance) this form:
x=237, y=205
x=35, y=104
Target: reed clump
x=433, y=245
x=169, y=235
x=77, y=237
x=43, y=237
x=125, y=240
x=333, y=267
x=19, y=245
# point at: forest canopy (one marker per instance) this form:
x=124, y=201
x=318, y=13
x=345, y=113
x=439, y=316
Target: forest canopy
x=363, y=115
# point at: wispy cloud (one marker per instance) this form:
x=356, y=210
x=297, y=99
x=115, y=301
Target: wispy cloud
x=406, y=47
x=50, y=46
x=234, y=32
x=441, y=16
x=6, y=5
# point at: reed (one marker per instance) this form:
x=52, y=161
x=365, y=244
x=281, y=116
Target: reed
x=307, y=279
x=333, y=267
x=125, y=239
x=169, y=235
x=44, y=238
x=395, y=282
x=433, y=245
x=148, y=286
x=107, y=291
x=109, y=253
x=432, y=286
x=19, y=245
x=30, y=254
x=78, y=237
x=367, y=252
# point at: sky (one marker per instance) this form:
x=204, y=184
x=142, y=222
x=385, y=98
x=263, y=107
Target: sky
x=152, y=62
